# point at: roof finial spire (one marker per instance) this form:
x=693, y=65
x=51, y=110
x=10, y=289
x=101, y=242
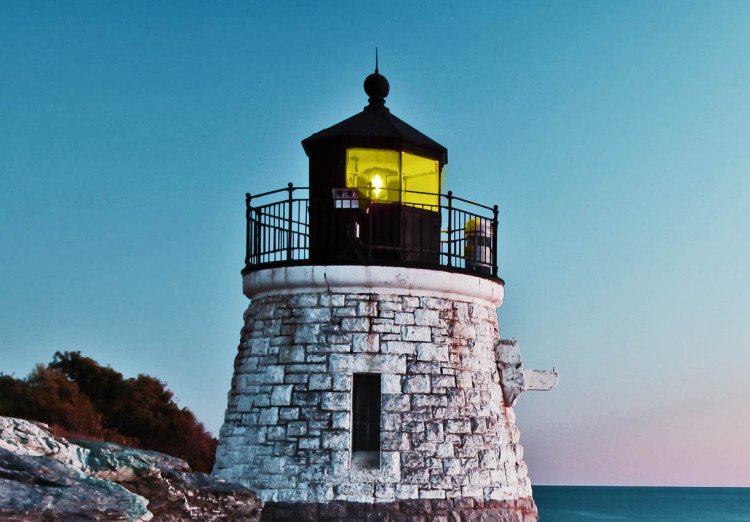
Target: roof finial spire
x=376, y=87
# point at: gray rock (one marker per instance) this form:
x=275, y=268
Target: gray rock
x=42, y=488
x=43, y=477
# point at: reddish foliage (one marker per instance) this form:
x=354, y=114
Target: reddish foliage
x=82, y=399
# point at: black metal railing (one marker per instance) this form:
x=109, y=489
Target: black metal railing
x=443, y=231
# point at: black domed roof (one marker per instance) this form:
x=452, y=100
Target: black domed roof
x=376, y=127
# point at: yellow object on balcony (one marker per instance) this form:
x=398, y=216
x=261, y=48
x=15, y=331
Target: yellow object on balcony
x=391, y=176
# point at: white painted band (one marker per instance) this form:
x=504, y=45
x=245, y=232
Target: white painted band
x=357, y=279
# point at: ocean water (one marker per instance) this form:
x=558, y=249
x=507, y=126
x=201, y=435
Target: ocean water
x=641, y=504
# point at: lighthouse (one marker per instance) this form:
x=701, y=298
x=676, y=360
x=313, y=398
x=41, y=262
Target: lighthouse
x=371, y=379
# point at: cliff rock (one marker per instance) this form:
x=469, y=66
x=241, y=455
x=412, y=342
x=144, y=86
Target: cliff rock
x=43, y=477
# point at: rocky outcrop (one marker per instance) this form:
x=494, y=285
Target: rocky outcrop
x=43, y=477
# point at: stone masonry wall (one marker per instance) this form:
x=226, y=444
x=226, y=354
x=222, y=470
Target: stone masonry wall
x=445, y=432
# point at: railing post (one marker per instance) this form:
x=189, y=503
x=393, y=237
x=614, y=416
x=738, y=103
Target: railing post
x=450, y=227
x=369, y=222
x=289, y=225
x=257, y=232
x=248, y=210
x=494, y=241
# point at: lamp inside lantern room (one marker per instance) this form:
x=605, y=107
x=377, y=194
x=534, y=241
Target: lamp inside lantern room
x=391, y=176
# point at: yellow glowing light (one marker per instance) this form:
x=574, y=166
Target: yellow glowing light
x=392, y=176
x=377, y=184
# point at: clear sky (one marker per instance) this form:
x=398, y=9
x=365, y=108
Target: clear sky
x=615, y=136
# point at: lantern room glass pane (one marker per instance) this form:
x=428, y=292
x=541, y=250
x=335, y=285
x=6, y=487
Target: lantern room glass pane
x=420, y=174
x=375, y=173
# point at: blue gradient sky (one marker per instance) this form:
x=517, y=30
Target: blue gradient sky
x=615, y=136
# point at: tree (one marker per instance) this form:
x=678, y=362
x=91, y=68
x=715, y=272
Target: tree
x=77, y=394
x=56, y=400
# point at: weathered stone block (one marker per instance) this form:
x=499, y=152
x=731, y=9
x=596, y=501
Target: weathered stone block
x=385, y=492
x=341, y=420
x=305, y=368
x=335, y=401
x=416, y=476
x=338, y=440
x=355, y=324
x=457, y=426
x=446, y=450
x=281, y=395
x=276, y=433
x=307, y=443
x=431, y=493
x=345, y=311
x=320, y=381
x=354, y=492
x=434, y=431
x=288, y=414
x=295, y=378
x=269, y=416
x=403, y=318
x=395, y=402
x=443, y=381
x=244, y=403
x=280, y=340
x=417, y=384
x=426, y=401
x=394, y=441
x=412, y=460
x=472, y=491
x=367, y=309
x=291, y=354
x=296, y=428
x=363, y=363
x=416, y=333
x=388, y=305
x=365, y=342
x=463, y=330
x=287, y=449
x=390, y=383
x=423, y=317
x=398, y=347
x=313, y=315
x=413, y=427
x=303, y=300
x=432, y=352
x=384, y=326
x=305, y=398
x=390, y=421
x=259, y=346
x=330, y=300
x=342, y=382
x=410, y=302
x=390, y=465
x=478, y=425
x=436, y=303
x=339, y=460
x=307, y=333
x=274, y=374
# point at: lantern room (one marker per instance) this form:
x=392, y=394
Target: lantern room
x=375, y=180
x=377, y=154
x=375, y=197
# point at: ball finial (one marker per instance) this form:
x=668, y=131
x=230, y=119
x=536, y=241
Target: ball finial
x=376, y=85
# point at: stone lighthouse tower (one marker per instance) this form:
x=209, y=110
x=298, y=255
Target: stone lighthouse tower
x=371, y=380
